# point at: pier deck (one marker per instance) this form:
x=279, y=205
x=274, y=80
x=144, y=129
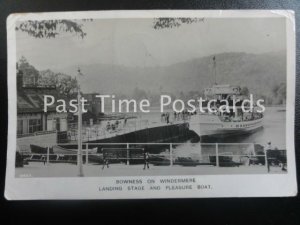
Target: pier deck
x=38, y=169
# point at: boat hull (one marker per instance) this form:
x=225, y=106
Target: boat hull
x=211, y=125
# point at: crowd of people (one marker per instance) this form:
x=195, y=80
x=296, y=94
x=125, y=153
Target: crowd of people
x=231, y=117
x=177, y=116
x=110, y=126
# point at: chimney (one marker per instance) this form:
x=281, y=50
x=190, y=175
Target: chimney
x=19, y=79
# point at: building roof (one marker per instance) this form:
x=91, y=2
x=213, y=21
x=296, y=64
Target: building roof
x=31, y=99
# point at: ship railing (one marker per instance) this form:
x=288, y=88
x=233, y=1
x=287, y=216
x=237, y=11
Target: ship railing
x=160, y=154
x=101, y=131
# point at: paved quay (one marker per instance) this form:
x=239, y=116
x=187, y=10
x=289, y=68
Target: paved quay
x=38, y=169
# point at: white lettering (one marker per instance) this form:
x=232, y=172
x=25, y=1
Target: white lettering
x=162, y=103
x=46, y=103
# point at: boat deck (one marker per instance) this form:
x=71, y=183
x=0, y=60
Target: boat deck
x=98, y=132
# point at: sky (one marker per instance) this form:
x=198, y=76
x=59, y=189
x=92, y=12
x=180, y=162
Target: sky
x=135, y=43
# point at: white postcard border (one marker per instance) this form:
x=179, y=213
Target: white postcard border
x=88, y=187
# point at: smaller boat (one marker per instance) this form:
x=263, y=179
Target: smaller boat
x=281, y=110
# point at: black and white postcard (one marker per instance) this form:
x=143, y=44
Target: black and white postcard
x=151, y=104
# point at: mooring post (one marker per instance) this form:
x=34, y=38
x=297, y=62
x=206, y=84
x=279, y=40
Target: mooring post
x=266, y=161
x=127, y=162
x=200, y=152
x=48, y=152
x=251, y=155
x=86, y=154
x=217, y=155
x=171, y=155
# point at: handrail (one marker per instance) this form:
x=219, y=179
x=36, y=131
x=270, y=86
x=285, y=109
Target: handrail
x=37, y=133
x=154, y=143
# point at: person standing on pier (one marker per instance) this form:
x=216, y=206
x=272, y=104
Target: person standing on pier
x=268, y=149
x=105, y=162
x=146, y=160
x=44, y=158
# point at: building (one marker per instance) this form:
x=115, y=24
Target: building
x=32, y=121
x=93, y=103
x=93, y=107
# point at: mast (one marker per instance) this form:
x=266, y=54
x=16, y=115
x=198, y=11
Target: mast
x=215, y=69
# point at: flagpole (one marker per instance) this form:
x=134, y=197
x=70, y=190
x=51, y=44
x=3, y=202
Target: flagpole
x=79, y=132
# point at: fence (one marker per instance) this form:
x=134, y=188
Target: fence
x=159, y=154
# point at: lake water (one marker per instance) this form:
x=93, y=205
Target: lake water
x=273, y=129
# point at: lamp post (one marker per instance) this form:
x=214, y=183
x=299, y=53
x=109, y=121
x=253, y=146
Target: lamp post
x=79, y=132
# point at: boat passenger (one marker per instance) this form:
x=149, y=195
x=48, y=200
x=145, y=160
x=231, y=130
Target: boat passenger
x=167, y=117
x=113, y=126
x=162, y=117
x=108, y=126
x=269, y=146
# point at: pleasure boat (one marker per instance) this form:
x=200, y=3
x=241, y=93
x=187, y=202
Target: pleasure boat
x=237, y=120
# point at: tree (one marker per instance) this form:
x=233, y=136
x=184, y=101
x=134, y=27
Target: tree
x=182, y=96
x=279, y=93
x=245, y=91
x=51, y=28
x=162, y=23
x=29, y=73
x=139, y=94
x=65, y=84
